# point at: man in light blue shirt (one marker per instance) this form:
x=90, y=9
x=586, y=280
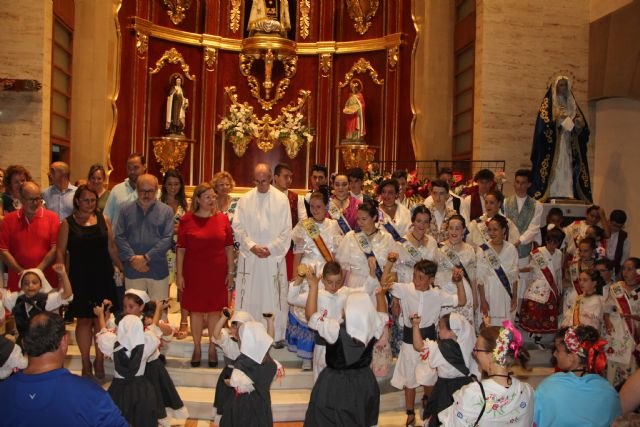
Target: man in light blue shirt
x=59, y=196
x=125, y=191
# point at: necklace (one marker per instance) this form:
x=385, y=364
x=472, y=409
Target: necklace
x=372, y=233
x=419, y=240
x=507, y=376
x=582, y=371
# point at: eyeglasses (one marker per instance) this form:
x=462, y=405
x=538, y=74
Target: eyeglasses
x=33, y=199
x=141, y=191
x=481, y=350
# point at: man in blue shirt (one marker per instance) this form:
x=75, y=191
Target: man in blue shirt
x=46, y=394
x=59, y=196
x=143, y=235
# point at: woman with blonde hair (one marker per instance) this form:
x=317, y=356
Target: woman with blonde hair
x=204, y=266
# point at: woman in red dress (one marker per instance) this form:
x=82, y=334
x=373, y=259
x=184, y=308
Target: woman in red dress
x=204, y=266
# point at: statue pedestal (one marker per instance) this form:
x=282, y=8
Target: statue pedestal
x=170, y=150
x=571, y=209
x=355, y=155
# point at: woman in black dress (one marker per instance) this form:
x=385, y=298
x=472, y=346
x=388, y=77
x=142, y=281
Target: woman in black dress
x=253, y=372
x=346, y=392
x=86, y=235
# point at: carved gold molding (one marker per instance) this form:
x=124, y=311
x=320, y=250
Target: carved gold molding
x=170, y=152
x=305, y=20
x=289, y=63
x=176, y=9
x=174, y=57
x=210, y=58
x=235, y=45
x=326, y=62
x=393, y=56
x=362, y=15
x=362, y=66
x=234, y=16
x=142, y=44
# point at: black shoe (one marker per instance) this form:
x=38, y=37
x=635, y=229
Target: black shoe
x=213, y=363
x=411, y=418
x=162, y=359
x=278, y=344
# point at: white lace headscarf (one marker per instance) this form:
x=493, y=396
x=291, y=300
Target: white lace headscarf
x=362, y=320
x=561, y=104
x=465, y=333
x=254, y=340
x=130, y=333
x=46, y=286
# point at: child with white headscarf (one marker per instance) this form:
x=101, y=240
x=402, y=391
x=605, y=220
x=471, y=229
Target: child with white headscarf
x=346, y=392
x=450, y=357
x=130, y=348
x=253, y=372
x=36, y=296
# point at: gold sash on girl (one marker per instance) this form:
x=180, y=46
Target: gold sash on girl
x=313, y=231
x=576, y=311
x=574, y=276
x=483, y=229
x=411, y=250
x=454, y=260
x=336, y=214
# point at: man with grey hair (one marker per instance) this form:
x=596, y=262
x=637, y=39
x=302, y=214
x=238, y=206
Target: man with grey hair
x=59, y=196
x=262, y=227
x=143, y=235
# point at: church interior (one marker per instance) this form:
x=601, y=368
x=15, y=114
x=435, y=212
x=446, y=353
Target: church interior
x=203, y=86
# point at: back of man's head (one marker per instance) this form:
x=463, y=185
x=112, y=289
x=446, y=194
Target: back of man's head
x=44, y=334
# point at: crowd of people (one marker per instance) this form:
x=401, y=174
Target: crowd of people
x=349, y=281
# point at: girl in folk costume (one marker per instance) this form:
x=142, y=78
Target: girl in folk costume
x=360, y=254
x=578, y=395
x=577, y=230
x=326, y=296
x=416, y=245
x=347, y=393
x=35, y=296
x=499, y=399
x=11, y=357
x=455, y=255
x=130, y=347
x=606, y=268
x=497, y=274
x=315, y=241
x=586, y=308
x=542, y=298
x=583, y=262
x=253, y=372
x=170, y=403
x=440, y=212
x=395, y=218
x=420, y=298
x=227, y=339
x=622, y=323
x=450, y=356
x=479, y=228
x=597, y=234
x=344, y=204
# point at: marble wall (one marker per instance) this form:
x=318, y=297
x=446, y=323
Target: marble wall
x=26, y=54
x=520, y=45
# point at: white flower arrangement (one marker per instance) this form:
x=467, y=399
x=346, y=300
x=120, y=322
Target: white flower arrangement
x=239, y=122
x=293, y=128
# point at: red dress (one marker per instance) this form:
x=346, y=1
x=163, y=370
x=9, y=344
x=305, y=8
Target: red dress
x=205, y=262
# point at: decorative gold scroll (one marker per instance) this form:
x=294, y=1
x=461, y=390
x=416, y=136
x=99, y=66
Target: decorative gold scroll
x=326, y=62
x=142, y=44
x=210, y=58
x=174, y=57
x=305, y=21
x=234, y=16
x=362, y=13
x=176, y=9
x=393, y=56
x=362, y=66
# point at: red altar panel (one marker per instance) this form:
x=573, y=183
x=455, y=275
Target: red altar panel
x=327, y=49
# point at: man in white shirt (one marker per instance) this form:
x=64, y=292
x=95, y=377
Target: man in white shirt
x=125, y=191
x=356, y=179
x=526, y=213
x=262, y=227
x=453, y=200
x=318, y=178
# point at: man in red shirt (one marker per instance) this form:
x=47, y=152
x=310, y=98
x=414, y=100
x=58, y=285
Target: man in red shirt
x=28, y=237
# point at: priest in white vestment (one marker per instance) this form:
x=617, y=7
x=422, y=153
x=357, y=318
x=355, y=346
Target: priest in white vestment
x=262, y=227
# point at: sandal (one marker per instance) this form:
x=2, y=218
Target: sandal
x=183, y=332
x=213, y=356
x=411, y=418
